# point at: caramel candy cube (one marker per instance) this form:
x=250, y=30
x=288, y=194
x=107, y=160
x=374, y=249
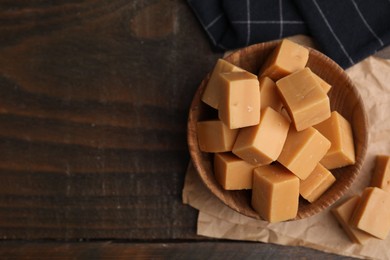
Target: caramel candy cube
x=303, y=150
x=214, y=136
x=319, y=180
x=287, y=58
x=239, y=105
x=284, y=113
x=232, y=172
x=324, y=85
x=212, y=91
x=339, y=132
x=343, y=213
x=261, y=144
x=372, y=214
x=275, y=193
x=381, y=175
x=269, y=95
x=305, y=100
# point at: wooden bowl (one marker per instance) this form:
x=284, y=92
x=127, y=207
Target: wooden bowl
x=343, y=97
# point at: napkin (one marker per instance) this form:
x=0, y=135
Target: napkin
x=321, y=231
x=347, y=31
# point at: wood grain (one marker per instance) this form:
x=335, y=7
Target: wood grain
x=94, y=97
x=185, y=250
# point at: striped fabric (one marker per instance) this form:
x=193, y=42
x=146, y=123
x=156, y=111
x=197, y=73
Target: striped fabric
x=345, y=30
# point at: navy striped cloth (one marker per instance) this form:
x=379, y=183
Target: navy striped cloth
x=345, y=30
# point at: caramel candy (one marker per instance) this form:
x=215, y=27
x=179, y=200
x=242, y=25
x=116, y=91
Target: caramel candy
x=343, y=213
x=372, y=214
x=319, y=180
x=214, y=136
x=339, y=132
x=305, y=100
x=284, y=113
x=287, y=58
x=381, y=175
x=269, y=94
x=239, y=105
x=324, y=85
x=232, y=172
x=212, y=91
x=275, y=193
x=303, y=150
x=261, y=144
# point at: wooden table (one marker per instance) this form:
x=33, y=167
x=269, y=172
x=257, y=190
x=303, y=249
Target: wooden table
x=94, y=97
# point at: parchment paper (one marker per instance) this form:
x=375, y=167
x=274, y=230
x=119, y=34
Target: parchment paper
x=321, y=231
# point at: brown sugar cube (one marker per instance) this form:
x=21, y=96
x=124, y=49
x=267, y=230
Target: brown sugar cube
x=239, y=105
x=275, y=193
x=232, y=172
x=372, y=214
x=319, y=180
x=343, y=213
x=269, y=94
x=261, y=144
x=324, y=85
x=381, y=175
x=287, y=58
x=303, y=150
x=339, y=132
x=306, y=102
x=212, y=91
x=214, y=136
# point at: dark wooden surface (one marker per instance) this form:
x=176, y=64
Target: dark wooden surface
x=159, y=250
x=94, y=98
